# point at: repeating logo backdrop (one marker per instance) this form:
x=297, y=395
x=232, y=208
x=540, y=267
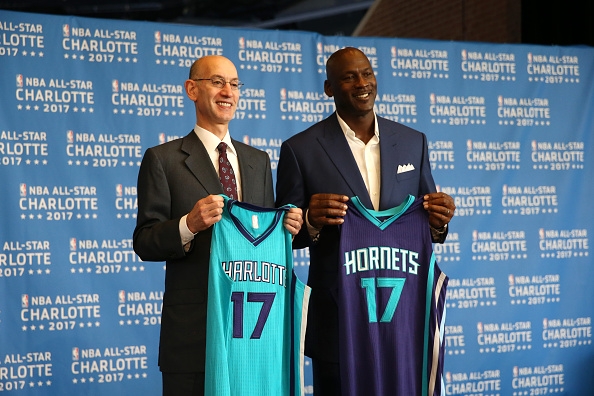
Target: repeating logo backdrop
x=510, y=131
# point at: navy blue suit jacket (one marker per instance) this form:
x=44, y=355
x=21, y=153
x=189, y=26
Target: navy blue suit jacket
x=319, y=160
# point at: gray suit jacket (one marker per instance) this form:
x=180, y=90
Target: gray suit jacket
x=171, y=179
x=319, y=160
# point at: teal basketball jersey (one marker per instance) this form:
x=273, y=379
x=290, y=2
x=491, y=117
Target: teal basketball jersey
x=257, y=307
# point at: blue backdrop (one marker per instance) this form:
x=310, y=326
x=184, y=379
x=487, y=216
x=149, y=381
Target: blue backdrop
x=510, y=131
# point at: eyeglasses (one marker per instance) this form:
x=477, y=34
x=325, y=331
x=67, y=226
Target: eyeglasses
x=220, y=82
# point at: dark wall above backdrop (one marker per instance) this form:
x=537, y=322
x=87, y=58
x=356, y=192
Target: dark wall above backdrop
x=530, y=21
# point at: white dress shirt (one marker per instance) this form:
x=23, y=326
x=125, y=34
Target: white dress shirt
x=367, y=156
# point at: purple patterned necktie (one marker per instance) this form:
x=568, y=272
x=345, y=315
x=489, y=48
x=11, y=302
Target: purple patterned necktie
x=226, y=174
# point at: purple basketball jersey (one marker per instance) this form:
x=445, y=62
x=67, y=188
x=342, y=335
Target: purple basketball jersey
x=391, y=298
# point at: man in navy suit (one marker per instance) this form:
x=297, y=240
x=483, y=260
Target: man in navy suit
x=179, y=201
x=353, y=152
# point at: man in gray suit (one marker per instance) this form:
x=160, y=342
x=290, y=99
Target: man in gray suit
x=353, y=152
x=178, y=202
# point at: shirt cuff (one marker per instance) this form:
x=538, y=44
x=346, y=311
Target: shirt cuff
x=184, y=232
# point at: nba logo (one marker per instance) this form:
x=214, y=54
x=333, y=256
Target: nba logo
x=118, y=190
x=283, y=94
x=246, y=139
x=75, y=353
x=23, y=189
x=241, y=43
x=474, y=235
x=505, y=189
x=394, y=52
x=115, y=86
x=157, y=37
x=464, y=55
x=511, y=280
x=319, y=47
x=500, y=100
x=70, y=136
x=161, y=138
x=432, y=98
x=469, y=145
x=122, y=296
x=25, y=301
x=529, y=57
x=534, y=146
x=66, y=30
x=541, y=233
x=72, y=244
x=19, y=80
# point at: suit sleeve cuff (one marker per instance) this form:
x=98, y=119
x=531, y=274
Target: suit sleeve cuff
x=438, y=234
x=314, y=233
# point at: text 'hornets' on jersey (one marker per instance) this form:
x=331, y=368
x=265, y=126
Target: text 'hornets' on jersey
x=381, y=258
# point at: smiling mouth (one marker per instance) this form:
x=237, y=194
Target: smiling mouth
x=363, y=96
x=224, y=104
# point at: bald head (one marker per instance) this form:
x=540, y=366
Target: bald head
x=207, y=64
x=339, y=57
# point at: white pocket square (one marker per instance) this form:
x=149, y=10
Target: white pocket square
x=405, y=168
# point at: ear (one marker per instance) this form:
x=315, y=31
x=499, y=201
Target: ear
x=328, y=88
x=191, y=90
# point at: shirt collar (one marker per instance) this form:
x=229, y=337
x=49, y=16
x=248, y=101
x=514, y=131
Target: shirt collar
x=210, y=140
x=349, y=133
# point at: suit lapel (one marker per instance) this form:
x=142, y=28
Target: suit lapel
x=388, y=159
x=246, y=169
x=335, y=144
x=198, y=162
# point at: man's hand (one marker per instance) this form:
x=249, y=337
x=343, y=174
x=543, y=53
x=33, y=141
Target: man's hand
x=205, y=213
x=326, y=209
x=441, y=209
x=293, y=220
